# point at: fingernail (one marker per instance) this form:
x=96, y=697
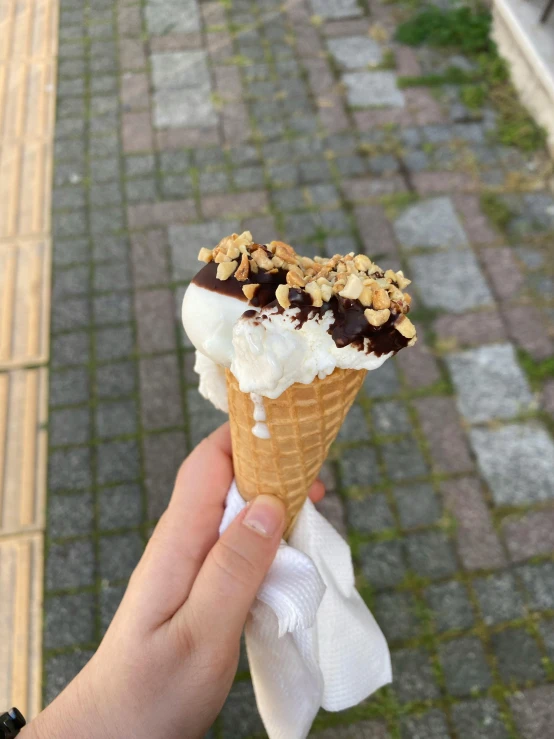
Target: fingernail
x=265, y=515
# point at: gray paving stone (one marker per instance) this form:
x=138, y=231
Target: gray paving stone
x=70, y=565
x=354, y=427
x=111, y=248
x=186, y=241
x=161, y=393
x=180, y=186
x=370, y=515
x=464, y=289
x=383, y=563
x=110, y=598
x=479, y=719
x=358, y=730
x=538, y=583
x=417, y=505
x=430, y=223
x=403, y=459
x=382, y=382
x=190, y=108
x=69, y=386
x=490, y=383
x=335, y=9
x=206, y=417
x=414, y=678
x=61, y=669
x=359, y=467
x=396, y=615
x=383, y=164
x=517, y=462
x=106, y=221
x=114, y=343
x=546, y=629
x=450, y=605
x=214, y=182
x=116, y=419
x=431, y=554
x=69, y=620
x=355, y=52
x=175, y=70
x=499, y=598
x=112, y=308
x=119, y=555
x=172, y=16
x=69, y=469
x=70, y=515
x=249, y=178
x=163, y=454
x=518, y=657
x=69, y=426
x=111, y=277
x=340, y=245
x=367, y=89
x=239, y=716
x=117, y=462
x=465, y=666
x=144, y=164
x=534, y=711
x=390, y=418
x=71, y=282
x=115, y=380
x=119, y=507
x=430, y=725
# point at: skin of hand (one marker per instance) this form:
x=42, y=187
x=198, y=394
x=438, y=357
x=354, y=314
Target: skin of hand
x=167, y=662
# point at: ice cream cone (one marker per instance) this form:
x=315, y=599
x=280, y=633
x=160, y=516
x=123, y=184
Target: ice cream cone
x=302, y=423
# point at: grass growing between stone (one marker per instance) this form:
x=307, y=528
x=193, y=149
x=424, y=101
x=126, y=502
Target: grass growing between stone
x=496, y=210
x=468, y=31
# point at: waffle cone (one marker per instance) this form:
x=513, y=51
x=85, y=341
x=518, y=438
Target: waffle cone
x=303, y=422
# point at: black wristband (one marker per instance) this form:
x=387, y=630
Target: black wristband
x=11, y=723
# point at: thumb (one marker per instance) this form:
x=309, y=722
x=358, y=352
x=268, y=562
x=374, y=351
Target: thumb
x=234, y=570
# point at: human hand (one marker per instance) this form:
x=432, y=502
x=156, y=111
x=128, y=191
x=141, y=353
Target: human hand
x=168, y=660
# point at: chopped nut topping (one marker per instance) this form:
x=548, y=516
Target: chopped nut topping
x=401, y=280
x=282, y=295
x=381, y=299
x=366, y=297
x=315, y=291
x=250, y=290
x=233, y=251
x=326, y=292
x=205, y=255
x=225, y=270
x=353, y=288
x=405, y=326
x=242, y=272
x=362, y=263
x=294, y=279
x=377, y=317
x=262, y=260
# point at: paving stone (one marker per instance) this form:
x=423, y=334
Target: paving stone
x=115, y=380
x=70, y=515
x=335, y=9
x=117, y=461
x=414, y=678
x=239, y=716
x=161, y=403
x=430, y=725
x=119, y=507
x=359, y=467
x=163, y=454
x=383, y=564
x=458, y=332
x=538, y=583
x=430, y=223
x=170, y=15
x=186, y=241
x=69, y=387
x=450, y=605
x=149, y=258
x=69, y=620
x=186, y=108
x=365, y=89
x=375, y=230
x=354, y=427
x=70, y=565
x=119, y=554
x=533, y=710
x=417, y=505
x=531, y=535
x=478, y=543
x=518, y=657
x=340, y=245
x=69, y=426
x=359, y=730
x=61, y=669
x=479, y=719
x=490, y=383
x=464, y=289
x=69, y=469
x=180, y=69
x=355, y=52
x=517, y=462
x=116, y=419
x=110, y=598
x=112, y=308
x=419, y=366
x=448, y=445
x=70, y=314
x=207, y=418
x=396, y=615
x=331, y=507
x=114, y=343
x=503, y=272
x=71, y=282
x=526, y=326
x=499, y=598
x=382, y=382
x=110, y=248
x=403, y=459
x=465, y=666
x=430, y=554
x=546, y=630
x=370, y=515
x=154, y=316
x=390, y=418
x=383, y=164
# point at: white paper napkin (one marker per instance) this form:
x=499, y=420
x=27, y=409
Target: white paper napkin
x=310, y=639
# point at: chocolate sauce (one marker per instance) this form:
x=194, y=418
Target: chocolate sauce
x=350, y=326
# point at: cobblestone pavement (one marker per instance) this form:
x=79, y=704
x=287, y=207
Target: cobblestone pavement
x=181, y=121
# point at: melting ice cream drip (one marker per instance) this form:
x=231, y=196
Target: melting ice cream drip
x=260, y=429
